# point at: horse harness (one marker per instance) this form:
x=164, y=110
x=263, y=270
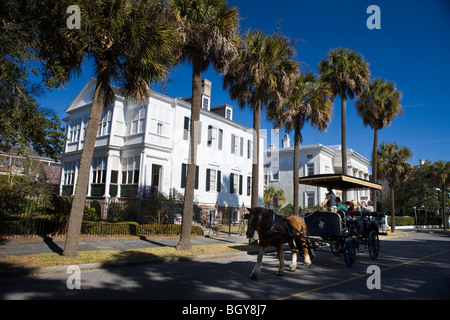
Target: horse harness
x=275, y=228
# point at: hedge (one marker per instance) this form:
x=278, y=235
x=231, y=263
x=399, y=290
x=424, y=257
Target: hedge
x=410, y=221
x=133, y=228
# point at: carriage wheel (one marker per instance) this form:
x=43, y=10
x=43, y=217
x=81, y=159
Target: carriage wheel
x=349, y=253
x=374, y=244
x=336, y=247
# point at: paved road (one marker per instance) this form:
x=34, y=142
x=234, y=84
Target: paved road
x=412, y=267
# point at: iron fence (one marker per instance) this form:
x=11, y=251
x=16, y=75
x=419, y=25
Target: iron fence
x=32, y=216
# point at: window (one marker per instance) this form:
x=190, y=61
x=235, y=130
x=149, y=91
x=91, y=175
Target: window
x=135, y=120
x=69, y=169
x=249, y=149
x=130, y=170
x=309, y=198
x=104, y=127
x=205, y=103
x=275, y=174
x=69, y=172
x=114, y=181
x=249, y=186
x=159, y=128
x=184, y=168
x=228, y=113
x=236, y=183
x=235, y=216
x=213, y=180
x=237, y=145
x=215, y=137
x=98, y=176
x=156, y=178
x=310, y=169
x=74, y=130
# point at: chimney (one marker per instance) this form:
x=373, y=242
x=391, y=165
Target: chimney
x=421, y=162
x=206, y=94
x=206, y=87
x=286, y=142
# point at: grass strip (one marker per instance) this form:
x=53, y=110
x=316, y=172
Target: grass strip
x=100, y=256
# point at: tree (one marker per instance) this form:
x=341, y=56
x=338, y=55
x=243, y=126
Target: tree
x=393, y=166
x=261, y=74
x=130, y=44
x=309, y=100
x=209, y=35
x=347, y=73
x=378, y=105
x=273, y=196
x=440, y=176
x=23, y=123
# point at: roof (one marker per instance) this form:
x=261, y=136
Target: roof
x=339, y=181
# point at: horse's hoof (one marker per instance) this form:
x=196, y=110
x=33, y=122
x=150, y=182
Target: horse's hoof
x=253, y=276
x=292, y=269
x=280, y=274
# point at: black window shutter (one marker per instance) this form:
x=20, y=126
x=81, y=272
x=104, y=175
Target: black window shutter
x=208, y=176
x=186, y=128
x=183, y=175
x=219, y=180
x=196, y=177
x=220, y=138
x=232, y=183
x=240, y=184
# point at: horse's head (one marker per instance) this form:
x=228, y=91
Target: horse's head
x=256, y=219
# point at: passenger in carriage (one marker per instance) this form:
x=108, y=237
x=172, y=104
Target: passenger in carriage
x=368, y=207
x=340, y=205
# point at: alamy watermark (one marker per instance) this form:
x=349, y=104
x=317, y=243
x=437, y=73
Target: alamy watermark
x=74, y=279
x=74, y=21
x=374, y=21
x=374, y=280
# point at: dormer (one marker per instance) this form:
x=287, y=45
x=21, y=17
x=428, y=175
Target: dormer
x=224, y=110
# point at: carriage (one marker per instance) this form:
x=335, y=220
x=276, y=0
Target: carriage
x=344, y=232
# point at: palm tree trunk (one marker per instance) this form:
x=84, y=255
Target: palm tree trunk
x=374, y=167
x=297, y=139
x=344, y=139
x=79, y=200
x=188, y=208
x=255, y=165
x=392, y=209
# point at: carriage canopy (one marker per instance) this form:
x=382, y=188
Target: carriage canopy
x=339, y=181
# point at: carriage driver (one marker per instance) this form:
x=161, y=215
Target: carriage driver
x=330, y=201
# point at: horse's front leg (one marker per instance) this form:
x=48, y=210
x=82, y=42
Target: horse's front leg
x=257, y=269
x=293, y=265
x=280, y=272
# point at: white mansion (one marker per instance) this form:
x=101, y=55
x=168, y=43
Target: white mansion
x=314, y=159
x=143, y=148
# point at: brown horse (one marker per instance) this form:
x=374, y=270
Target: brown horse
x=274, y=230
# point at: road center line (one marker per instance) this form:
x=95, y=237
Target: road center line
x=359, y=277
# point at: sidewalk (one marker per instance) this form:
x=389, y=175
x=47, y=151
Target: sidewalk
x=18, y=247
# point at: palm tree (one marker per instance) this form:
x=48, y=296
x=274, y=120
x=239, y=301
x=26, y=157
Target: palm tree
x=209, y=32
x=261, y=74
x=273, y=196
x=440, y=176
x=310, y=101
x=347, y=73
x=130, y=43
x=378, y=105
x=393, y=166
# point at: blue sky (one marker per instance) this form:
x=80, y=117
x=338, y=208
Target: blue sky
x=412, y=48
